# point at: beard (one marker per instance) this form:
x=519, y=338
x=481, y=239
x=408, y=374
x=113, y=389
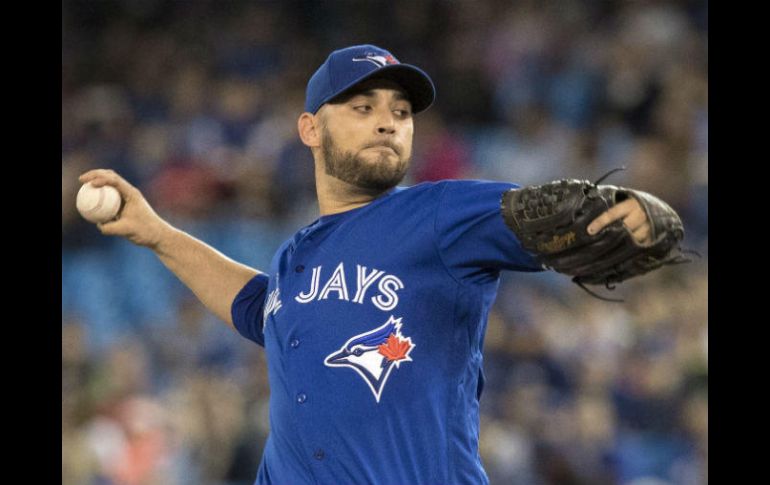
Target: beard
x=372, y=176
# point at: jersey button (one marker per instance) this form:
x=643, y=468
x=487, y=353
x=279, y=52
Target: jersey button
x=294, y=343
x=299, y=269
x=319, y=454
x=301, y=397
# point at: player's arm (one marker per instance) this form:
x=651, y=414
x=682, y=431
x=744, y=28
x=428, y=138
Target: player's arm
x=213, y=277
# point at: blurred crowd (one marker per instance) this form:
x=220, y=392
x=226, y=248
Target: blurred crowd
x=195, y=103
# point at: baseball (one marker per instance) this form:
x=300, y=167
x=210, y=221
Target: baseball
x=98, y=204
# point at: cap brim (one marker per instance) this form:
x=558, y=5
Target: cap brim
x=417, y=84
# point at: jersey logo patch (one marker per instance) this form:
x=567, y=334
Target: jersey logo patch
x=373, y=354
x=273, y=303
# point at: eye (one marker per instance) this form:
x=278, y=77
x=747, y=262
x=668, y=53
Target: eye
x=402, y=113
x=358, y=352
x=362, y=108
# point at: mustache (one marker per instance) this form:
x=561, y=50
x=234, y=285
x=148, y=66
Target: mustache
x=383, y=143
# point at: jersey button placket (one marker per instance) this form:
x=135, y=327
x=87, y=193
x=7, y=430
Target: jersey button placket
x=301, y=398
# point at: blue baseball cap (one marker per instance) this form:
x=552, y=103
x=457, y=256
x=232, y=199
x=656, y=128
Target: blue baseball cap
x=344, y=68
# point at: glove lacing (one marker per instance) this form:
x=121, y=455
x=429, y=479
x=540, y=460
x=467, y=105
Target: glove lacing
x=609, y=283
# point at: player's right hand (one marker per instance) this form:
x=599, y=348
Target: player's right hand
x=136, y=221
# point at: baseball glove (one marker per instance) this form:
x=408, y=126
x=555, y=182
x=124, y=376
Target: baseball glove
x=550, y=221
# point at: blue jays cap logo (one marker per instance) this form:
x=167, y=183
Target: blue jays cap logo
x=377, y=60
x=373, y=354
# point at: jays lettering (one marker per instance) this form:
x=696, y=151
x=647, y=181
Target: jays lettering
x=382, y=287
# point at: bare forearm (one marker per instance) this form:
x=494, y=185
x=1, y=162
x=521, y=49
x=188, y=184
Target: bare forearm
x=213, y=277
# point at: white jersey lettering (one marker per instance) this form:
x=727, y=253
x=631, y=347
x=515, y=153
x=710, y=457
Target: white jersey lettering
x=310, y=296
x=388, y=286
x=364, y=281
x=336, y=283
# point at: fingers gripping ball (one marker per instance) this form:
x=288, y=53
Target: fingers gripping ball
x=98, y=204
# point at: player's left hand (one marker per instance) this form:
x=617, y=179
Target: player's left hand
x=598, y=234
x=634, y=218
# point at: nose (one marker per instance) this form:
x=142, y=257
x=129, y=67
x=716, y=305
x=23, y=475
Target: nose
x=386, y=123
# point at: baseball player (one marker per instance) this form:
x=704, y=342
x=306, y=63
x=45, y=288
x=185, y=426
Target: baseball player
x=373, y=316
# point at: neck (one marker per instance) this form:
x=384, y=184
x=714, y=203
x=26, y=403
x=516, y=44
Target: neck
x=335, y=196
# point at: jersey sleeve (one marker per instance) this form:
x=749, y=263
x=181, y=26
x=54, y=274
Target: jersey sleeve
x=247, y=307
x=472, y=237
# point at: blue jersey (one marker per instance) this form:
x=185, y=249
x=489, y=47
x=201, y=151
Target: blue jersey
x=373, y=323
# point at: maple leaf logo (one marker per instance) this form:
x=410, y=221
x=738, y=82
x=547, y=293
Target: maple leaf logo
x=396, y=349
x=374, y=354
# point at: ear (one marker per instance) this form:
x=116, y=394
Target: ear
x=309, y=129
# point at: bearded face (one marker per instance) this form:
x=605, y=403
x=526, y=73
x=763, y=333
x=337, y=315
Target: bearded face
x=376, y=166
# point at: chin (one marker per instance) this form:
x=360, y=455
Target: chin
x=388, y=159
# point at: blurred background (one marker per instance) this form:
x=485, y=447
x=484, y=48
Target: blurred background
x=195, y=103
